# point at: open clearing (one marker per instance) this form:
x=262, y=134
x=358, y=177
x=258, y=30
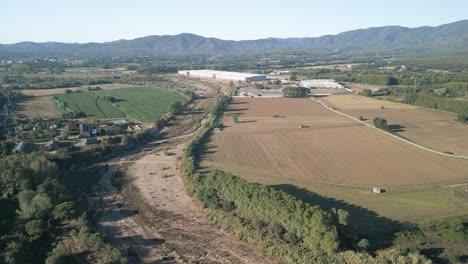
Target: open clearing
x=37, y=106
x=141, y=103
x=335, y=157
x=431, y=128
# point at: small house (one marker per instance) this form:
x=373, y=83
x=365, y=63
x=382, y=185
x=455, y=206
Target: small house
x=377, y=190
x=85, y=130
x=53, y=144
x=118, y=122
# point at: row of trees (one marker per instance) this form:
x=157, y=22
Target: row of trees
x=295, y=92
x=447, y=104
x=49, y=82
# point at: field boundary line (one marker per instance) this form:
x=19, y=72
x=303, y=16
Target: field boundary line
x=399, y=138
x=455, y=185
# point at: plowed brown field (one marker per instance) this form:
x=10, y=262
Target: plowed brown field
x=430, y=128
x=335, y=157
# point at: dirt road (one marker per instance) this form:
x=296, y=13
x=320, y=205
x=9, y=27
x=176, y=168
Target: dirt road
x=150, y=216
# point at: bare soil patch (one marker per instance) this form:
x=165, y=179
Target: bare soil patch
x=431, y=128
x=330, y=149
x=335, y=157
x=37, y=106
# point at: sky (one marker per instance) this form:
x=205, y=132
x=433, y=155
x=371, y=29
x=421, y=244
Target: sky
x=107, y=20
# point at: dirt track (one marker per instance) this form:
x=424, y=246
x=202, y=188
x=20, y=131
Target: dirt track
x=431, y=128
x=152, y=218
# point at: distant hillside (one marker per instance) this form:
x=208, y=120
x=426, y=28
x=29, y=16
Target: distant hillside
x=449, y=37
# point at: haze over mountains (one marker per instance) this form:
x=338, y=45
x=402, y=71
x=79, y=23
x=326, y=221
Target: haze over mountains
x=451, y=37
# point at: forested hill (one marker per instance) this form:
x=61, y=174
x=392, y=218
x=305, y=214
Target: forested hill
x=390, y=39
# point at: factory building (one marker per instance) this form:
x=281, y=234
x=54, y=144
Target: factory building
x=321, y=83
x=224, y=75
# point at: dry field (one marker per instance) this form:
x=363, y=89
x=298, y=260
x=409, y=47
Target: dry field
x=431, y=128
x=335, y=157
x=37, y=106
x=47, y=92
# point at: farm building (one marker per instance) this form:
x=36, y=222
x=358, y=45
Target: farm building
x=259, y=92
x=224, y=75
x=321, y=83
x=85, y=130
x=52, y=144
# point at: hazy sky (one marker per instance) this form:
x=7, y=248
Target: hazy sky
x=107, y=20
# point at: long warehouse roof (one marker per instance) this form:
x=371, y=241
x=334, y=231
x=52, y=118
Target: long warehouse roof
x=226, y=73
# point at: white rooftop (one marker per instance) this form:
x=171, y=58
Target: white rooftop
x=225, y=73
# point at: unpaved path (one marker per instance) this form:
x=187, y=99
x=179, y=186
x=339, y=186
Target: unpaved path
x=151, y=217
x=385, y=132
x=154, y=220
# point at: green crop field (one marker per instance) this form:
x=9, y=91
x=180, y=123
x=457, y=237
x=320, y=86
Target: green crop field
x=141, y=103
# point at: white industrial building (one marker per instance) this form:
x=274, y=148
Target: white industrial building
x=224, y=75
x=321, y=83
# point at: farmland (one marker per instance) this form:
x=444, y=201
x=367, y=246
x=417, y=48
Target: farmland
x=336, y=158
x=140, y=103
x=37, y=106
x=431, y=128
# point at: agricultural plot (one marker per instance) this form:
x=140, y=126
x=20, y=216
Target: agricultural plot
x=335, y=157
x=141, y=103
x=90, y=104
x=431, y=128
x=36, y=106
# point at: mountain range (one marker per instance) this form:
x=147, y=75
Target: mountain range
x=451, y=37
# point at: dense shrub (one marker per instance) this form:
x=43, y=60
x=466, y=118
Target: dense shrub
x=64, y=210
x=366, y=92
x=295, y=92
x=36, y=228
x=463, y=117
x=381, y=123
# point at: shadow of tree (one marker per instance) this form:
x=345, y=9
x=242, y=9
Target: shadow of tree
x=434, y=255
x=209, y=150
x=237, y=103
x=362, y=222
x=397, y=128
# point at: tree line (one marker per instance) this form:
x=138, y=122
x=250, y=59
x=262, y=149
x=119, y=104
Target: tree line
x=49, y=82
x=295, y=92
x=447, y=104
